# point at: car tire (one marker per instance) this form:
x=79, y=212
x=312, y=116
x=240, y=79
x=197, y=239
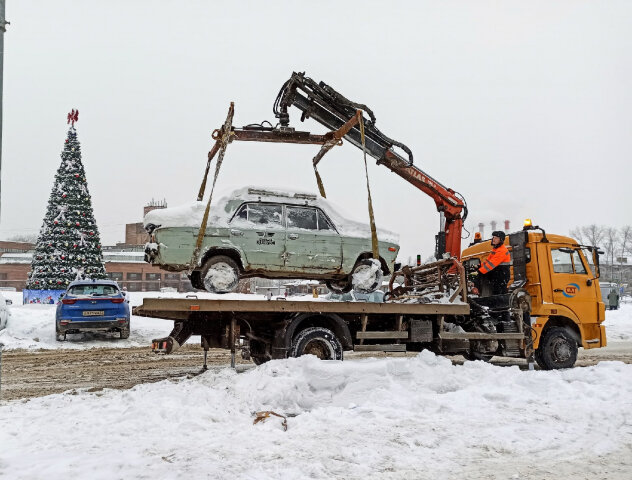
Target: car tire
x=557, y=349
x=368, y=282
x=124, y=333
x=339, y=286
x=220, y=274
x=60, y=337
x=318, y=341
x=196, y=280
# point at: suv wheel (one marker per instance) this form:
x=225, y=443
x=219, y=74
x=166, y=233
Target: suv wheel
x=220, y=274
x=366, y=276
x=124, y=332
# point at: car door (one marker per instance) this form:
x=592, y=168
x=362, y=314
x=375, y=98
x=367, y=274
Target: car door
x=572, y=283
x=312, y=242
x=257, y=228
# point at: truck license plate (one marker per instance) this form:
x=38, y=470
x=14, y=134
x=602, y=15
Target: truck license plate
x=93, y=313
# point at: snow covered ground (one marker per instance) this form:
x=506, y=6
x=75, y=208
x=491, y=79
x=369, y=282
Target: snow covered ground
x=386, y=418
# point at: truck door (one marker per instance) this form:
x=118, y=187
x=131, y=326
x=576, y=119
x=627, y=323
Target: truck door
x=312, y=242
x=572, y=283
x=257, y=228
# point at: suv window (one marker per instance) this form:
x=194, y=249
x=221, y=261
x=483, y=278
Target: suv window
x=93, y=290
x=261, y=214
x=302, y=217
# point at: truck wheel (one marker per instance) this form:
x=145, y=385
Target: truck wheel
x=317, y=341
x=339, y=286
x=472, y=356
x=259, y=360
x=220, y=274
x=366, y=276
x=558, y=349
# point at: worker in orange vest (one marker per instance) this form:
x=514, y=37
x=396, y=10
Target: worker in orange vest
x=495, y=268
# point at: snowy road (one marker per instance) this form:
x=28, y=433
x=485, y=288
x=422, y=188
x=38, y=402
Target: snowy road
x=418, y=416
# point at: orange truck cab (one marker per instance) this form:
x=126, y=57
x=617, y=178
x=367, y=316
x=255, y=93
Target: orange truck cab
x=561, y=279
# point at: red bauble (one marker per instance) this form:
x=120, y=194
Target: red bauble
x=75, y=245
x=91, y=233
x=56, y=222
x=63, y=231
x=63, y=257
x=63, y=196
x=76, y=175
x=77, y=223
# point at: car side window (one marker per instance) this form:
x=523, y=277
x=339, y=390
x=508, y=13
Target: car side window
x=323, y=222
x=261, y=214
x=302, y=217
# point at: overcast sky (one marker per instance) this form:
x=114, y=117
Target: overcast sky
x=522, y=107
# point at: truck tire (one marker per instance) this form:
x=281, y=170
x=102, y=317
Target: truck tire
x=370, y=278
x=557, y=349
x=220, y=274
x=318, y=341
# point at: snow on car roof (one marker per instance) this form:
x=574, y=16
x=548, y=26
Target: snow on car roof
x=191, y=214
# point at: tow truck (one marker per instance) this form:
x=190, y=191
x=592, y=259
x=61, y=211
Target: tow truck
x=553, y=304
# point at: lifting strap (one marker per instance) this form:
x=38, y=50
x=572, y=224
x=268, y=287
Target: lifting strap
x=374, y=245
x=222, y=138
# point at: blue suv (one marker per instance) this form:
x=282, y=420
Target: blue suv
x=92, y=305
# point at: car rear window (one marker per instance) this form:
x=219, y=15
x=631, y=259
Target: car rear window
x=93, y=290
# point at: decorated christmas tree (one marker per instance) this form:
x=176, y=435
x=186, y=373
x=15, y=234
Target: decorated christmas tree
x=68, y=246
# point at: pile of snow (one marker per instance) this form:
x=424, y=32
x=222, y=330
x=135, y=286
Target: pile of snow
x=619, y=323
x=191, y=214
x=388, y=418
x=32, y=326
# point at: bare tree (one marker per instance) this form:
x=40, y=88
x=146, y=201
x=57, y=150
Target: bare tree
x=578, y=235
x=611, y=239
x=625, y=240
x=593, y=234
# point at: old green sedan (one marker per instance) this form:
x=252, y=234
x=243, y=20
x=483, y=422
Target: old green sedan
x=273, y=234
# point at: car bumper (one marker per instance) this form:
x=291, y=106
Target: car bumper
x=68, y=326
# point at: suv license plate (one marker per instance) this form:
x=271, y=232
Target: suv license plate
x=93, y=313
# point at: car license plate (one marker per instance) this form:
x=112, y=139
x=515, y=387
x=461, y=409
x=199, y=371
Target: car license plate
x=93, y=313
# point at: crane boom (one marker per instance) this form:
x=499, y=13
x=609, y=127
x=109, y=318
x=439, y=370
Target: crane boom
x=322, y=103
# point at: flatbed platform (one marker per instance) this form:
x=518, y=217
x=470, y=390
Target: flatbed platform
x=181, y=308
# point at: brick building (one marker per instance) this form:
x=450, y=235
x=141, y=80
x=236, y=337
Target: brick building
x=123, y=262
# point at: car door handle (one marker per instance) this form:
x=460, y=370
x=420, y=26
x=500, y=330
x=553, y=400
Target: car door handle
x=261, y=234
x=237, y=233
x=557, y=290
x=292, y=236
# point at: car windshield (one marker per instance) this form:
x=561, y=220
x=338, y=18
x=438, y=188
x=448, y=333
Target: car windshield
x=95, y=290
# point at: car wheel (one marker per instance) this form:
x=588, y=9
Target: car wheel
x=339, y=286
x=557, y=349
x=125, y=332
x=366, y=276
x=220, y=274
x=317, y=341
x=196, y=280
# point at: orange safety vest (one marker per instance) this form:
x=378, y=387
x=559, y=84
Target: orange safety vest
x=499, y=256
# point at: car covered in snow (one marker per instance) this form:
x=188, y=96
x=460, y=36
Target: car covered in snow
x=267, y=233
x=92, y=306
